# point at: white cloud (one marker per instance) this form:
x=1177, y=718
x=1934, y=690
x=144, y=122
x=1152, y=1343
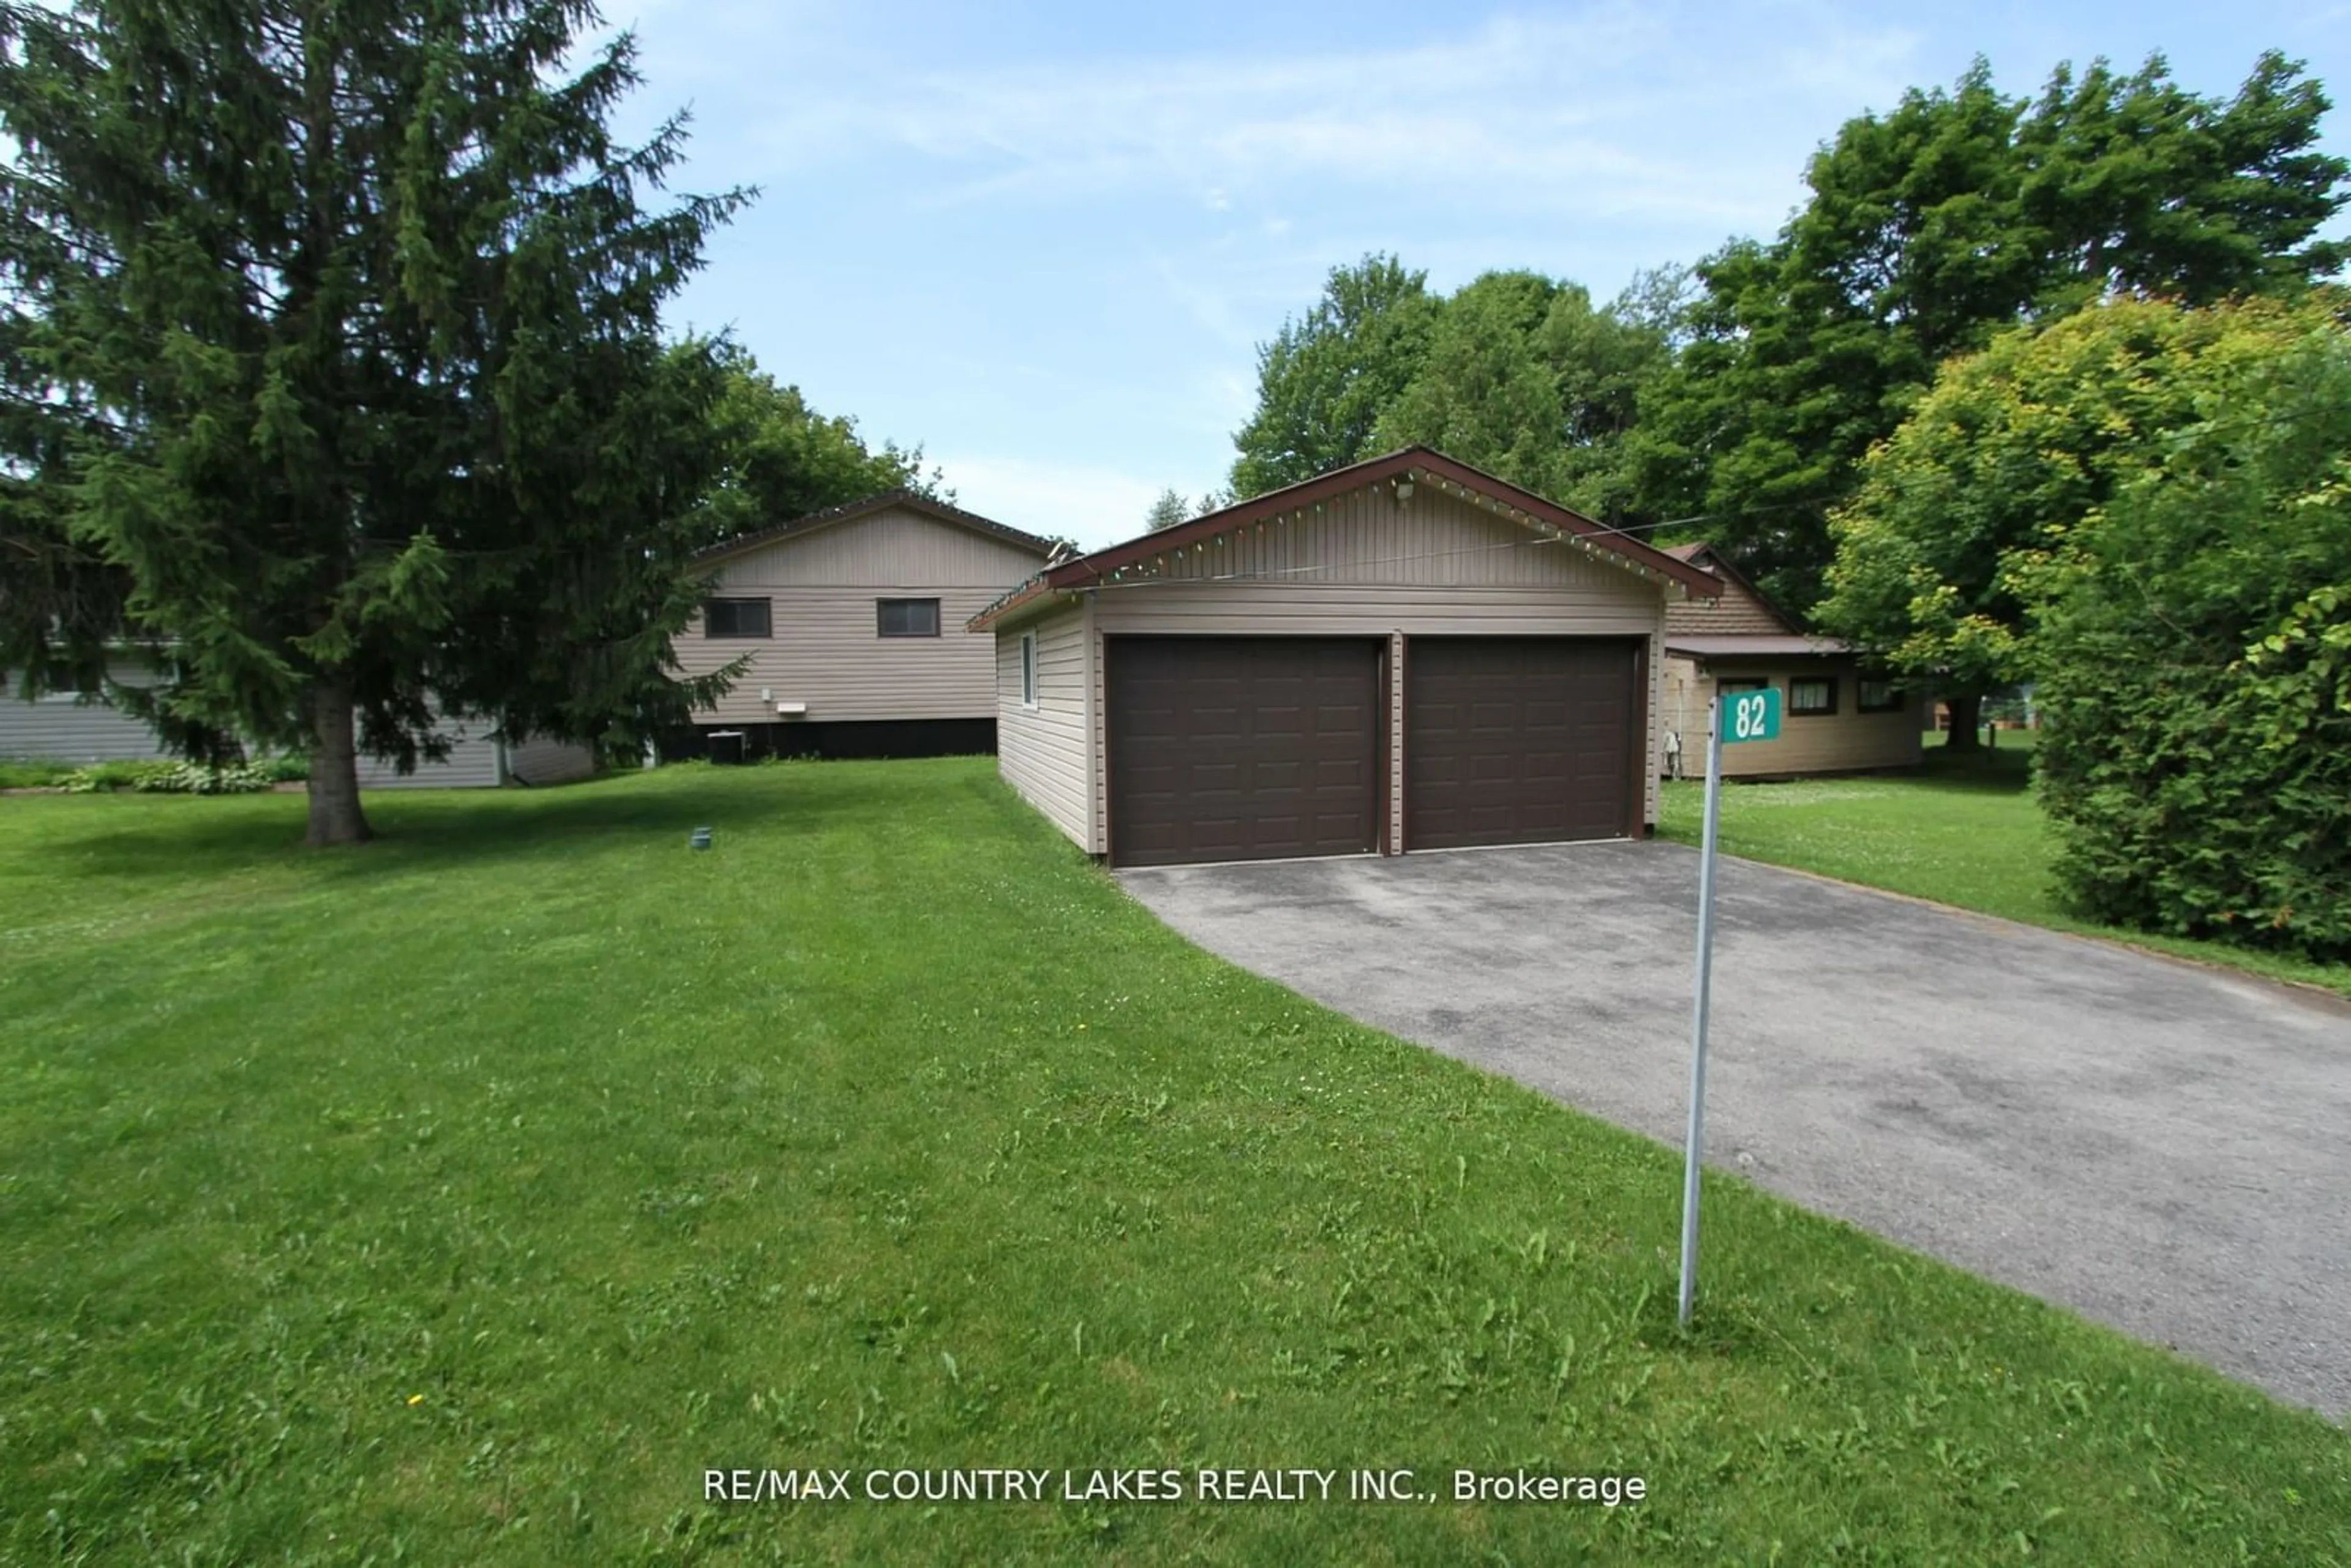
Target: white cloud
x=1608, y=111
x=1092, y=505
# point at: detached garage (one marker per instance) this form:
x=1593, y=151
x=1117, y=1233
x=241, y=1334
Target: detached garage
x=1403, y=654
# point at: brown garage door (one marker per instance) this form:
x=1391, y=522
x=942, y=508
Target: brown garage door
x=1519, y=740
x=1241, y=747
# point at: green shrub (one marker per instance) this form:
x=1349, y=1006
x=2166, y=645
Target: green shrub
x=167, y=778
x=34, y=773
x=2196, y=682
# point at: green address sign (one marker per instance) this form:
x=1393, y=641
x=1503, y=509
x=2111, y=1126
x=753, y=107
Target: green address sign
x=1752, y=715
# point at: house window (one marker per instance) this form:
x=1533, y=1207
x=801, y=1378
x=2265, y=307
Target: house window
x=735, y=617
x=907, y=617
x=1815, y=696
x=1876, y=696
x=1028, y=669
x=1741, y=684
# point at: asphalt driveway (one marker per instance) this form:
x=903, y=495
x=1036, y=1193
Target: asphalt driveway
x=2162, y=1147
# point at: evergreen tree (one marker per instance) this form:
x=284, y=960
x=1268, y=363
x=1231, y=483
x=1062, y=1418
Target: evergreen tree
x=337, y=338
x=1168, y=511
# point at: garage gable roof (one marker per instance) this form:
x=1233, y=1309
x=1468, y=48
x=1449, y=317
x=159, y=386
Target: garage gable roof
x=1415, y=465
x=904, y=500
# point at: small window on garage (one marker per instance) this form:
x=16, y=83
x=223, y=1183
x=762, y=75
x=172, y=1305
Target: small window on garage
x=1741, y=684
x=1876, y=696
x=735, y=617
x=1812, y=696
x=907, y=617
x=1028, y=669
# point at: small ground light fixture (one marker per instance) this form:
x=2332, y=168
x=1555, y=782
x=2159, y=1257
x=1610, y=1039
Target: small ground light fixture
x=700, y=839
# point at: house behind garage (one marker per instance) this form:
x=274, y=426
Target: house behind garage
x=852, y=624
x=65, y=726
x=1837, y=716
x=1403, y=654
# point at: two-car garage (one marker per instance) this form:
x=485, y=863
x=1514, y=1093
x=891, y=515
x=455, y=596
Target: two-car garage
x=1267, y=747
x=1400, y=656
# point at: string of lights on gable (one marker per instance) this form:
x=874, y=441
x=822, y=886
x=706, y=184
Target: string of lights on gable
x=1402, y=488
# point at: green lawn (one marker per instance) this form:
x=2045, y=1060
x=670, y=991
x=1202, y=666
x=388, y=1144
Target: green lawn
x=1963, y=828
x=466, y=1197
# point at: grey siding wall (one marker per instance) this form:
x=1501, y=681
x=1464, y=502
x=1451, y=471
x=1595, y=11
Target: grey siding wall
x=826, y=651
x=62, y=729
x=1846, y=740
x=476, y=761
x=1042, y=751
x=544, y=761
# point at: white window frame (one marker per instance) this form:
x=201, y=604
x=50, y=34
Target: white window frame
x=1028, y=669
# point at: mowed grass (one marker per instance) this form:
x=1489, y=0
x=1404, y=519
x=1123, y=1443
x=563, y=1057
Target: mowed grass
x=464, y=1199
x=1963, y=828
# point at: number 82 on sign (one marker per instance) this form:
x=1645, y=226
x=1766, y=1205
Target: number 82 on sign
x=1752, y=716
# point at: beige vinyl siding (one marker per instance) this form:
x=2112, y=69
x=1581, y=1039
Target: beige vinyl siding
x=892, y=549
x=1041, y=751
x=1845, y=741
x=826, y=650
x=1736, y=612
x=1433, y=567
x=1433, y=540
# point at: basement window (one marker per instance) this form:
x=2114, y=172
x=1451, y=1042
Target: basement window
x=735, y=617
x=1812, y=698
x=1877, y=696
x=906, y=617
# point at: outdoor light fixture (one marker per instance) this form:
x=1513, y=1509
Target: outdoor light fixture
x=1404, y=489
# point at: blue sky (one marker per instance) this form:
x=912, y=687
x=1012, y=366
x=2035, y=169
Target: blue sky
x=1043, y=240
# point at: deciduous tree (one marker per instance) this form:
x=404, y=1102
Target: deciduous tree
x=1324, y=378
x=2007, y=454
x=1933, y=227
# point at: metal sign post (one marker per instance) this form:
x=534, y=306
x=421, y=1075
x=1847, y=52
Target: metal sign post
x=1753, y=716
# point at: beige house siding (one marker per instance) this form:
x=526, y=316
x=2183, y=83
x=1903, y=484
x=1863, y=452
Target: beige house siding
x=1433, y=540
x=1737, y=611
x=1847, y=740
x=826, y=651
x=1364, y=568
x=1040, y=751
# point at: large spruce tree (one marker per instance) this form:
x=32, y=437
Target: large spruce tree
x=334, y=373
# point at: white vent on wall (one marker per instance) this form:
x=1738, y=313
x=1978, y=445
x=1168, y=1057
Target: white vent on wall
x=792, y=710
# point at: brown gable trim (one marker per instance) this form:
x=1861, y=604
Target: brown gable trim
x=1019, y=598
x=1714, y=562
x=911, y=500
x=1524, y=505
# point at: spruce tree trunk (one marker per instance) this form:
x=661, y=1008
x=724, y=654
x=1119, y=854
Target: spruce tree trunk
x=1967, y=712
x=335, y=814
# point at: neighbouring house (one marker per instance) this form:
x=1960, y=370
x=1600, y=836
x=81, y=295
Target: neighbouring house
x=1403, y=654
x=1836, y=715
x=63, y=727
x=854, y=623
